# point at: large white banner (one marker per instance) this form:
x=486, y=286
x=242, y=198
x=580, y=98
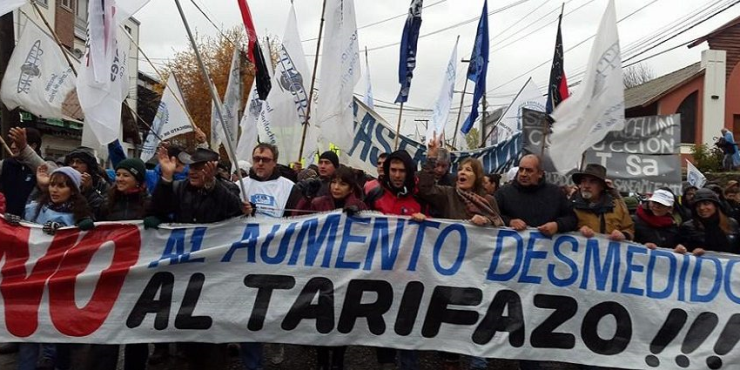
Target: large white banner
x=444, y=100
x=229, y=108
x=373, y=281
x=38, y=78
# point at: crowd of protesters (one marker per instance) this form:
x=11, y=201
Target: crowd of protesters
x=197, y=188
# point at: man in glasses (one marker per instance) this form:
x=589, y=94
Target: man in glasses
x=266, y=188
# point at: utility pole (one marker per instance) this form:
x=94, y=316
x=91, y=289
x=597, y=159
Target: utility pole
x=8, y=118
x=484, y=115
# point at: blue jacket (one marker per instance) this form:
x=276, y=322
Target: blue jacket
x=47, y=214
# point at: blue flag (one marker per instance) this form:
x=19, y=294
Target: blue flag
x=477, y=70
x=407, y=59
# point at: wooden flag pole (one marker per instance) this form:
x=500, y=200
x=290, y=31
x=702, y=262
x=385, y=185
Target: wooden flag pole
x=5, y=146
x=459, y=112
x=214, y=95
x=398, y=128
x=313, y=81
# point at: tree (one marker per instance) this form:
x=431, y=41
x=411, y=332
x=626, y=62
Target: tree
x=473, y=138
x=637, y=74
x=216, y=53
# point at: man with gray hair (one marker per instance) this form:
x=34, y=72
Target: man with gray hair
x=442, y=173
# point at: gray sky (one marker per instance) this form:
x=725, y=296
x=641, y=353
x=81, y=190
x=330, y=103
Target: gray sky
x=162, y=34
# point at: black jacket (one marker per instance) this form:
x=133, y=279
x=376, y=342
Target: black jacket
x=536, y=205
x=692, y=234
x=125, y=207
x=664, y=237
x=17, y=183
x=180, y=202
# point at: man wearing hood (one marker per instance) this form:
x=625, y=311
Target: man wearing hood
x=396, y=194
x=94, y=186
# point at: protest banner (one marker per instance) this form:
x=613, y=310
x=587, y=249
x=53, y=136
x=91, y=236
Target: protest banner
x=641, y=158
x=374, y=281
x=373, y=136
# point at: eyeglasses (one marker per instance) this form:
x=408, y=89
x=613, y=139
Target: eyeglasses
x=257, y=159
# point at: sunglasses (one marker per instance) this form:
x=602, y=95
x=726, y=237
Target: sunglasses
x=257, y=159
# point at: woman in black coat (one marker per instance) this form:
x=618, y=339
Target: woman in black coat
x=654, y=222
x=710, y=229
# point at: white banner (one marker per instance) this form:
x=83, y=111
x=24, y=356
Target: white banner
x=171, y=119
x=8, y=6
x=340, y=72
x=444, y=99
x=38, y=78
x=284, y=113
x=368, y=98
x=529, y=97
x=597, y=107
x=373, y=281
x=693, y=176
x=248, y=126
x=230, y=108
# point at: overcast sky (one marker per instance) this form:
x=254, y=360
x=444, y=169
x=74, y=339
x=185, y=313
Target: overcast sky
x=517, y=45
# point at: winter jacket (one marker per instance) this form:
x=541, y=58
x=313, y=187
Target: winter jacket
x=662, y=231
x=608, y=215
x=327, y=203
x=536, y=205
x=48, y=214
x=445, y=198
x=126, y=207
x=693, y=234
x=96, y=201
x=2, y=203
x=393, y=201
x=18, y=179
x=180, y=202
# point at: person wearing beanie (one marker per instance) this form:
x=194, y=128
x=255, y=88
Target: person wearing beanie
x=710, y=229
x=328, y=163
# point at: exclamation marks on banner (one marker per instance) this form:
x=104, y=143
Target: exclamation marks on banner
x=699, y=331
x=667, y=333
x=727, y=340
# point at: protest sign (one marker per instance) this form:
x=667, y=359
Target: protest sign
x=641, y=158
x=374, y=136
x=374, y=281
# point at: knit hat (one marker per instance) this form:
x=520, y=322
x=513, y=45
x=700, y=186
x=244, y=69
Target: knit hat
x=331, y=157
x=135, y=166
x=71, y=173
x=705, y=194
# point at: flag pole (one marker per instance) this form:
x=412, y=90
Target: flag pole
x=313, y=81
x=214, y=95
x=5, y=146
x=459, y=112
x=398, y=128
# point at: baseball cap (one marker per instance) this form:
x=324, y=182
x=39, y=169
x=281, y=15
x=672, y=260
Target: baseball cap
x=663, y=197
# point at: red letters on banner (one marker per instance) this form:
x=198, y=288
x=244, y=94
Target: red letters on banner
x=65, y=259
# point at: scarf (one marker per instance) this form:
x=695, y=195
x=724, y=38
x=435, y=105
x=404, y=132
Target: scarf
x=651, y=219
x=478, y=205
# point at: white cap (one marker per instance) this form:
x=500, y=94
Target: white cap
x=663, y=197
x=511, y=174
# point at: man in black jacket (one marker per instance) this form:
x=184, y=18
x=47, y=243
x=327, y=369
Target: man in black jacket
x=531, y=202
x=94, y=186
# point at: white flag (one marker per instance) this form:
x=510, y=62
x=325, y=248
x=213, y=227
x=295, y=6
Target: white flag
x=171, y=119
x=340, y=72
x=230, y=107
x=248, y=126
x=597, y=107
x=38, y=78
x=444, y=100
x=7, y=6
x=284, y=113
x=693, y=176
x=104, y=80
x=368, y=99
x=529, y=97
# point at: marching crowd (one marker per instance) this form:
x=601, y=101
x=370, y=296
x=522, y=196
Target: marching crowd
x=196, y=188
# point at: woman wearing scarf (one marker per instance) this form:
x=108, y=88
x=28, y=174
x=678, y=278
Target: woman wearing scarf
x=467, y=200
x=710, y=229
x=654, y=222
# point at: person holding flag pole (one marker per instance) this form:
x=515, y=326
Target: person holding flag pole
x=407, y=58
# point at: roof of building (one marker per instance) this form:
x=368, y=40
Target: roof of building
x=649, y=92
x=717, y=31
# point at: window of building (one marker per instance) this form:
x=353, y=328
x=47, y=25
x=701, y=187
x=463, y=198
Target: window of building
x=45, y=3
x=128, y=29
x=81, y=19
x=688, y=111
x=67, y=4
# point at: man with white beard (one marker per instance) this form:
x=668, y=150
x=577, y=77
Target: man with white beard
x=597, y=210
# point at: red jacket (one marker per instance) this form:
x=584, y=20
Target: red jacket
x=2, y=203
x=383, y=200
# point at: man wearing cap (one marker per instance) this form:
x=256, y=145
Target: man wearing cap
x=529, y=201
x=328, y=163
x=266, y=188
x=597, y=210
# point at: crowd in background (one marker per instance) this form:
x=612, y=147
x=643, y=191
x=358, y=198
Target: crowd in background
x=198, y=188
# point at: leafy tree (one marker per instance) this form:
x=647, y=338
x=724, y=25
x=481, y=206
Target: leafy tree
x=707, y=158
x=473, y=138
